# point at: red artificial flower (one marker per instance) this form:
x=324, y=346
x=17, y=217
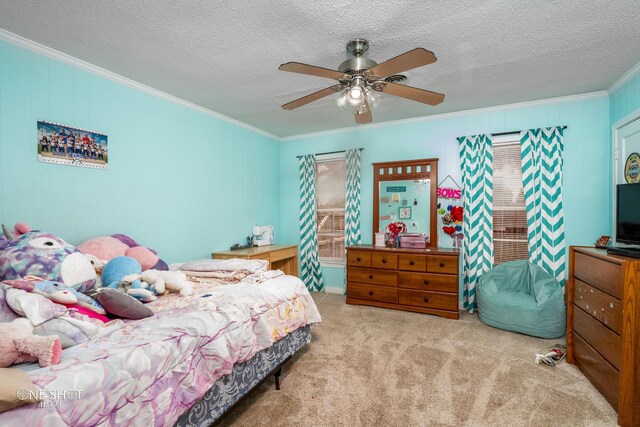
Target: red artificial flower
x=397, y=227
x=456, y=213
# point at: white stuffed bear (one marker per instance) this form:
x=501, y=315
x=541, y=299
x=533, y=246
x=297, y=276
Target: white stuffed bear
x=167, y=281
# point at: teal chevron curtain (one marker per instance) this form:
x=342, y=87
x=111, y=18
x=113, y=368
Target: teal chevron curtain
x=476, y=155
x=310, y=271
x=352, y=198
x=542, y=151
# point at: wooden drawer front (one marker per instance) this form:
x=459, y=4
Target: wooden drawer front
x=598, y=304
x=359, y=258
x=384, y=260
x=601, y=373
x=601, y=338
x=428, y=282
x=283, y=254
x=438, y=300
x=412, y=262
x=442, y=264
x=372, y=292
x=373, y=276
x=600, y=274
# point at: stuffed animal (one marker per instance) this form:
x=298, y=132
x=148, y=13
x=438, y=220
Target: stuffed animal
x=167, y=281
x=61, y=294
x=124, y=272
x=105, y=248
x=19, y=345
x=35, y=253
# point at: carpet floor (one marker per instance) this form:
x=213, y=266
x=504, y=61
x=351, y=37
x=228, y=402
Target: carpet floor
x=376, y=367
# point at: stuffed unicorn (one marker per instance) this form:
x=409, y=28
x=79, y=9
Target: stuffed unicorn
x=34, y=253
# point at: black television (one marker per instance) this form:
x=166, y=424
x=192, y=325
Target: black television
x=628, y=214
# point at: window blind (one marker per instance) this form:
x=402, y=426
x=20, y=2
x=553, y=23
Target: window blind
x=509, y=212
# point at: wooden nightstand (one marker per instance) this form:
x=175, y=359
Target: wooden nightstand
x=280, y=257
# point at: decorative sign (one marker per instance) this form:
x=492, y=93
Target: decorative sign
x=632, y=168
x=397, y=189
x=66, y=145
x=449, y=193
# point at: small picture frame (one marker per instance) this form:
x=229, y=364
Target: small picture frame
x=384, y=200
x=395, y=198
x=404, y=202
x=404, y=213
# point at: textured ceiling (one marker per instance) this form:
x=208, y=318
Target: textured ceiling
x=224, y=55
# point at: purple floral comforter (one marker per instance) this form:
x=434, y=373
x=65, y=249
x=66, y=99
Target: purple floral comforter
x=148, y=372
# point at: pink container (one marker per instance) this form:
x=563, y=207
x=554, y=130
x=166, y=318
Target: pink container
x=413, y=241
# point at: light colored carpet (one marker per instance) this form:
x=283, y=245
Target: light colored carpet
x=376, y=367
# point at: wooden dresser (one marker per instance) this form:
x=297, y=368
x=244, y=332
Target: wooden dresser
x=603, y=326
x=420, y=280
x=280, y=257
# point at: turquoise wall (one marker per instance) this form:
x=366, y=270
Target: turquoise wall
x=626, y=99
x=180, y=181
x=586, y=172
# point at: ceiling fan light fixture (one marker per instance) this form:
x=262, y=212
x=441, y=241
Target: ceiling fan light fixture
x=373, y=98
x=355, y=95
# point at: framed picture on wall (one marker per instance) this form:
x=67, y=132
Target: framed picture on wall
x=66, y=145
x=404, y=213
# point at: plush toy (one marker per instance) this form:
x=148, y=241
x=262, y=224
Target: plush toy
x=106, y=248
x=61, y=294
x=34, y=253
x=124, y=272
x=167, y=281
x=19, y=345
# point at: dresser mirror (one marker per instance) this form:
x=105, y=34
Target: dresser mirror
x=406, y=191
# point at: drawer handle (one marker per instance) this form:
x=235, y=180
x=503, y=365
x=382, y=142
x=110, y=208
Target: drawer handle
x=370, y=293
x=371, y=276
x=425, y=299
x=426, y=282
x=384, y=260
x=441, y=264
x=358, y=259
x=411, y=262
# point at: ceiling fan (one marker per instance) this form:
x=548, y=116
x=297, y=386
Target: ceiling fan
x=362, y=80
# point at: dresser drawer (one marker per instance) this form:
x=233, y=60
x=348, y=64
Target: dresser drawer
x=600, y=274
x=384, y=260
x=602, y=339
x=359, y=258
x=372, y=292
x=601, y=373
x=598, y=304
x=374, y=276
x=412, y=262
x=428, y=282
x=442, y=301
x=442, y=264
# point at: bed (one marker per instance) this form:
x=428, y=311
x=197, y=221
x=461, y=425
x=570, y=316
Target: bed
x=186, y=365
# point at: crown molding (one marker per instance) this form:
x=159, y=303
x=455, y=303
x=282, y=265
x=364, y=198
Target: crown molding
x=526, y=104
x=94, y=69
x=624, y=79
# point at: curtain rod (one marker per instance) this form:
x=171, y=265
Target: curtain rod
x=514, y=132
x=332, y=152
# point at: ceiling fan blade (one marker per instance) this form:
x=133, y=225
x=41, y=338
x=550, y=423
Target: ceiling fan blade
x=364, y=117
x=312, y=97
x=312, y=70
x=413, y=59
x=413, y=93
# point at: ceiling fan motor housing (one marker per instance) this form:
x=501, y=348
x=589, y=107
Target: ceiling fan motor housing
x=358, y=63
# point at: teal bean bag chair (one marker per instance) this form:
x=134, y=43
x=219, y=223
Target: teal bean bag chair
x=521, y=297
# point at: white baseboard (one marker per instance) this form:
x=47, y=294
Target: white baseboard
x=338, y=290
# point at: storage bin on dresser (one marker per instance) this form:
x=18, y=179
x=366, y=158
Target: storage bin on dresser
x=603, y=326
x=420, y=280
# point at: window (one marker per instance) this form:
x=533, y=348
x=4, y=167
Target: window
x=509, y=211
x=331, y=182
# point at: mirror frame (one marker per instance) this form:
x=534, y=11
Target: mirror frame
x=407, y=169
